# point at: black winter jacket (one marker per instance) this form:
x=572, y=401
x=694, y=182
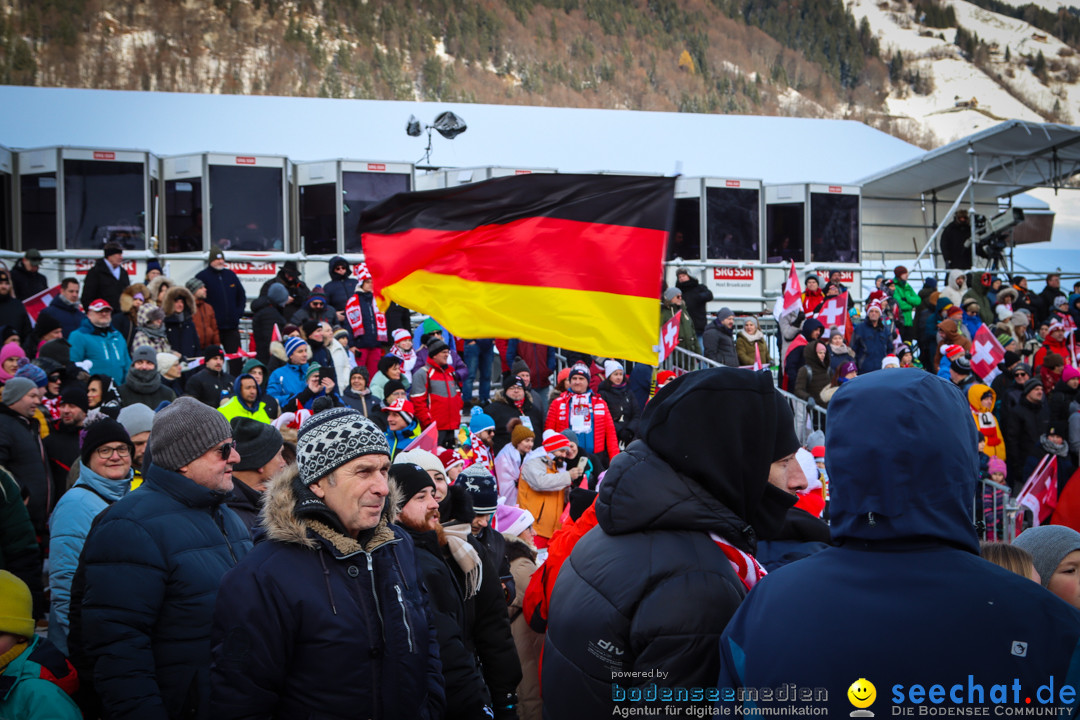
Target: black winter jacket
x=22, y=453
x=632, y=596
x=100, y=283
x=26, y=283
x=245, y=502
x=226, y=295
x=719, y=344
x=1027, y=422
x=502, y=410
x=266, y=316
x=337, y=291
x=696, y=298
x=13, y=313
x=152, y=567
x=209, y=387
x=70, y=317
x=625, y=411
x=311, y=603
x=144, y=386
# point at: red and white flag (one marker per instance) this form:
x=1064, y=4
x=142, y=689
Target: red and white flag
x=275, y=334
x=36, y=303
x=986, y=354
x=669, y=336
x=427, y=440
x=757, y=356
x=833, y=313
x=792, y=298
x=1040, y=492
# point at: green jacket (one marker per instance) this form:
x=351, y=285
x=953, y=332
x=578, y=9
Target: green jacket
x=687, y=334
x=26, y=695
x=907, y=299
x=19, y=551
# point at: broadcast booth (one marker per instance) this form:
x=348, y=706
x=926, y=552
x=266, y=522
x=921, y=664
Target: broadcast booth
x=717, y=236
x=819, y=226
x=7, y=172
x=247, y=197
x=332, y=194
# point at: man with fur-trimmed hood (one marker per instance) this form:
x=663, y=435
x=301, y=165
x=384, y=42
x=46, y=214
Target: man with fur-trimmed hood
x=327, y=616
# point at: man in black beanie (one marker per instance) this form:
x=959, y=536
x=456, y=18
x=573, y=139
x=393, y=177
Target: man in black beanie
x=213, y=383
x=259, y=445
x=679, y=515
x=62, y=443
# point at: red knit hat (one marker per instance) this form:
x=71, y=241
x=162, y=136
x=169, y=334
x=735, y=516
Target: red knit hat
x=818, y=451
x=953, y=351
x=555, y=441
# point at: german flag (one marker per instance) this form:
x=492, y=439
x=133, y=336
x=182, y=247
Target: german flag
x=572, y=261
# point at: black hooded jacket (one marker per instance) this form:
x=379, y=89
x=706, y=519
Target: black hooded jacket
x=649, y=589
x=266, y=316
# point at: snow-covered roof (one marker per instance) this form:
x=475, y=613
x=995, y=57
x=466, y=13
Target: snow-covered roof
x=1009, y=158
x=774, y=149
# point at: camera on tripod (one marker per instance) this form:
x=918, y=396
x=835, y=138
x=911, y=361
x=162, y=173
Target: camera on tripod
x=991, y=235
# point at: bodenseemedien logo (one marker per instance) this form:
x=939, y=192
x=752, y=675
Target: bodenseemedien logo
x=862, y=694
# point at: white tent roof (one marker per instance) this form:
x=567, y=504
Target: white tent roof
x=1009, y=158
x=774, y=149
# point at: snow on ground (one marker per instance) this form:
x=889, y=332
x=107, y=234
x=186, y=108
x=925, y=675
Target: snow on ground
x=1051, y=5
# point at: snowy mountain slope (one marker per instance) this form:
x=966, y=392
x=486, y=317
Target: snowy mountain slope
x=965, y=96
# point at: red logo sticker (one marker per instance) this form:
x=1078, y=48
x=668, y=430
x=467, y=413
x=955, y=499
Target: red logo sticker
x=245, y=161
x=376, y=167
x=104, y=156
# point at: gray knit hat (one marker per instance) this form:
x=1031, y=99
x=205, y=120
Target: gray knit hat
x=724, y=313
x=671, y=293
x=145, y=353
x=16, y=388
x=194, y=284
x=332, y=438
x=184, y=430
x=1048, y=545
x=137, y=418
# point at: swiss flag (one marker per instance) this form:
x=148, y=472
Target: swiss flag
x=833, y=313
x=986, y=354
x=792, y=295
x=36, y=303
x=669, y=336
x=1040, y=492
x=427, y=440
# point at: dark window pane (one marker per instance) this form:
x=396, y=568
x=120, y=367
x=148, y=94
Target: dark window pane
x=246, y=211
x=362, y=190
x=38, y=197
x=784, y=225
x=7, y=240
x=834, y=228
x=104, y=202
x=183, y=215
x=154, y=200
x=685, y=239
x=732, y=223
x=318, y=218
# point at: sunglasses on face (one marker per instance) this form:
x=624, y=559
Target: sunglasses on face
x=226, y=450
x=1022, y=374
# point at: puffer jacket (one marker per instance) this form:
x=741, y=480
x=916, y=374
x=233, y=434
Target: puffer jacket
x=952, y=290
x=502, y=410
x=745, y=344
x=601, y=440
x=68, y=526
x=436, y=396
x=23, y=455
x=206, y=324
x=901, y=520
x=265, y=316
x=986, y=422
x=719, y=344
x=624, y=408
x=31, y=688
x=287, y=382
x=104, y=347
x=149, y=595
x=814, y=376
x=630, y=597
x=69, y=316
x=19, y=552
x=210, y=387
x=144, y=386
x=179, y=327
x=312, y=603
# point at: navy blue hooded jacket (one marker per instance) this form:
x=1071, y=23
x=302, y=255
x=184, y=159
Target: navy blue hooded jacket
x=152, y=568
x=648, y=589
x=338, y=292
x=226, y=295
x=316, y=624
x=871, y=344
x=905, y=598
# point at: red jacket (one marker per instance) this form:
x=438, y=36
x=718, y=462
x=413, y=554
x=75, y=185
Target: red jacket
x=1059, y=348
x=436, y=396
x=604, y=439
x=538, y=595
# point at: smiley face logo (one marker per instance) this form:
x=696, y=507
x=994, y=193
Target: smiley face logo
x=862, y=693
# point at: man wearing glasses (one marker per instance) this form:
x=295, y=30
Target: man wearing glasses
x=153, y=564
x=104, y=478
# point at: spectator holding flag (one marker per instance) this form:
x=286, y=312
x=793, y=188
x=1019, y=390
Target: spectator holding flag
x=752, y=343
x=367, y=322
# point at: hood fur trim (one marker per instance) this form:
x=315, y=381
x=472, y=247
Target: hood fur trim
x=127, y=297
x=179, y=292
x=282, y=525
x=155, y=286
x=278, y=350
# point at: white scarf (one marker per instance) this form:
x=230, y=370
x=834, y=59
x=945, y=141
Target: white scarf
x=465, y=555
x=581, y=413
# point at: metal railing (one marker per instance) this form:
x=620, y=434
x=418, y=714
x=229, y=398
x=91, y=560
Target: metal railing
x=995, y=512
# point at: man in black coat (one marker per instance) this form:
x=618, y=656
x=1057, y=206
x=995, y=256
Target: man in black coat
x=65, y=308
x=512, y=402
x=645, y=595
x=62, y=444
x=212, y=384
x=953, y=239
x=27, y=278
x=719, y=339
x=289, y=277
x=1027, y=422
x=107, y=278
x=455, y=590
x=696, y=298
x=1047, y=296
x=226, y=295
x=268, y=315
x=22, y=452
